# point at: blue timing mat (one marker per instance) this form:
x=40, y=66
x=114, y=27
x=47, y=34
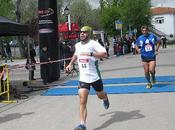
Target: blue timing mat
x=114, y=90
x=126, y=80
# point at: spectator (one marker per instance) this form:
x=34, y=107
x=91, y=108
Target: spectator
x=102, y=44
x=133, y=45
x=8, y=52
x=30, y=63
x=163, y=39
x=114, y=41
x=68, y=53
x=107, y=45
x=45, y=58
x=2, y=49
x=37, y=51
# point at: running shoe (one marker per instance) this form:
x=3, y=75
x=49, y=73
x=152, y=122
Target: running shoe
x=106, y=103
x=149, y=85
x=80, y=127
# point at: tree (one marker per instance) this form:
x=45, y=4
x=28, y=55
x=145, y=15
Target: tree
x=28, y=10
x=132, y=12
x=18, y=11
x=136, y=13
x=107, y=3
x=94, y=19
x=108, y=16
x=80, y=12
x=7, y=8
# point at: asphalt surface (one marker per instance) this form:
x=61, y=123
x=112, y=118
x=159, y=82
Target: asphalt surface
x=144, y=111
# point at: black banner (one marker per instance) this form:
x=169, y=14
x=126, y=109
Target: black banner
x=48, y=36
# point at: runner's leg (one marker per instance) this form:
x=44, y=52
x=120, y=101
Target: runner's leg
x=98, y=86
x=83, y=96
x=152, y=65
x=146, y=71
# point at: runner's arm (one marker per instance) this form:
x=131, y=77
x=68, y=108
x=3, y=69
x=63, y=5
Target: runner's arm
x=158, y=45
x=99, y=54
x=95, y=54
x=137, y=49
x=73, y=59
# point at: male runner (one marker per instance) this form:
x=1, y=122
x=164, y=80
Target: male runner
x=148, y=45
x=86, y=52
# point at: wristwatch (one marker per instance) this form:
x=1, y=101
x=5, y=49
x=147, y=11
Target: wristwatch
x=91, y=53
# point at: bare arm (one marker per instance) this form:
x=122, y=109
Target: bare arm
x=99, y=54
x=157, y=46
x=95, y=54
x=138, y=49
x=73, y=59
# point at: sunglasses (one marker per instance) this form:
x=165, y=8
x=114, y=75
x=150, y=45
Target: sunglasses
x=83, y=31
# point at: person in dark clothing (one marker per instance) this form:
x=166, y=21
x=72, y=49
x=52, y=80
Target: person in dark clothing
x=107, y=44
x=8, y=52
x=44, y=57
x=101, y=43
x=2, y=50
x=163, y=39
x=30, y=63
x=67, y=53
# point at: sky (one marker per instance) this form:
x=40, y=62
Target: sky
x=94, y=3
x=167, y=3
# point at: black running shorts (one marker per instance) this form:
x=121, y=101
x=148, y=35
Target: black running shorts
x=97, y=85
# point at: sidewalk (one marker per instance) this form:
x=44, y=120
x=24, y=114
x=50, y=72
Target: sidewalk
x=144, y=111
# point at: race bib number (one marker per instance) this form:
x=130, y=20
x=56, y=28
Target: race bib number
x=148, y=47
x=84, y=63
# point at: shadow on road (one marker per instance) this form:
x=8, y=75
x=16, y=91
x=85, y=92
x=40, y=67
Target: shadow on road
x=13, y=116
x=118, y=116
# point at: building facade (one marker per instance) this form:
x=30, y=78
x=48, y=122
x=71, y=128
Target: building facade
x=163, y=21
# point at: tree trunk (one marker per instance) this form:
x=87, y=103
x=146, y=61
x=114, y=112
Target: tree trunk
x=19, y=38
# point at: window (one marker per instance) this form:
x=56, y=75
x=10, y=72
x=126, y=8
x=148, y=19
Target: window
x=159, y=20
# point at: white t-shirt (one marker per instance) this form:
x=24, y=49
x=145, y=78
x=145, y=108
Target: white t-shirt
x=88, y=66
x=133, y=45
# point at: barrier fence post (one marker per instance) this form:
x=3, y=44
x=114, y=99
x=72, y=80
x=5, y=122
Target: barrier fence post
x=5, y=85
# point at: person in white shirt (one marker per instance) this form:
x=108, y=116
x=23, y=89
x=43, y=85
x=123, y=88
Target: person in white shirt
x=86, y=53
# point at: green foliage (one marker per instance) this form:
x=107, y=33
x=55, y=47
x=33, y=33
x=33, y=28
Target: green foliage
x=28, y=10
x=132, y=12
x=136, y=13
x=80, y=12
x=106, y=3
x=7, y=8
x=108, y=17
x=94, y=19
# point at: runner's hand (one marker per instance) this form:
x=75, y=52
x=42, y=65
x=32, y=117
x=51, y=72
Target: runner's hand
x=68, y=68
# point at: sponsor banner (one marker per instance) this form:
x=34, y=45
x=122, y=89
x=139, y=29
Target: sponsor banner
x=48, y=36
x=45, y=12
x=70, y=36
x=45, y=22
x=46, y=30
x=63, y=27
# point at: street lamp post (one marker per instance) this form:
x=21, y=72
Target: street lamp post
x=67, y=13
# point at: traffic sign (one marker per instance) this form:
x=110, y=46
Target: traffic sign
x=118, y=24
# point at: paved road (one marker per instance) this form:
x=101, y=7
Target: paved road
x=146, y=111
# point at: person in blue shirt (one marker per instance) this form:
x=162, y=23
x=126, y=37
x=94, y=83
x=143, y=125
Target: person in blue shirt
x=148, y=45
